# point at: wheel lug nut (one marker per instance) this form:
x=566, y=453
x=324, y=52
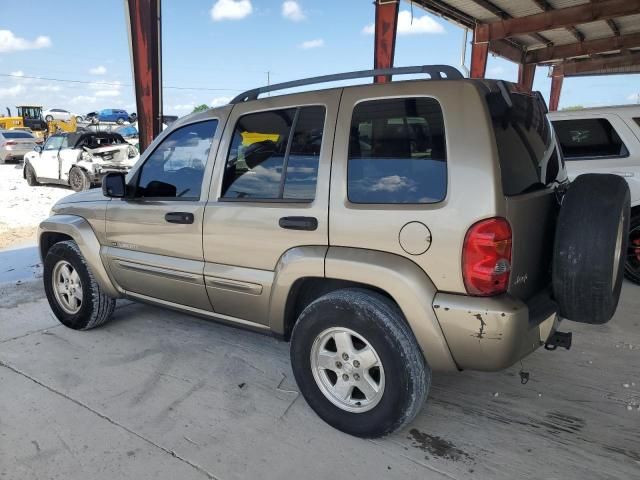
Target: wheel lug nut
x=356, y=376
x=345, y=377
x=338, y=364
x=356, y=363
x=345, y=356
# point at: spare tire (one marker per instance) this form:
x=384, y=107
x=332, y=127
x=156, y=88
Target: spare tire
x=591, y=239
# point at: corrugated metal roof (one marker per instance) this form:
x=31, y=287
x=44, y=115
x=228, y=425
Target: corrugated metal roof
x=473, y=12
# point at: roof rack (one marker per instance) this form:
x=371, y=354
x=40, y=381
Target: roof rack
x=436, y=72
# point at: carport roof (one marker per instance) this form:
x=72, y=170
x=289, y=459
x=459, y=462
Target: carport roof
x=579, y=37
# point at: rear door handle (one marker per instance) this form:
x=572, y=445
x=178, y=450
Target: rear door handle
x=299, y=223
x=179, y=217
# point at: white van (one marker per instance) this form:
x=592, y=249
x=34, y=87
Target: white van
x=606, y=140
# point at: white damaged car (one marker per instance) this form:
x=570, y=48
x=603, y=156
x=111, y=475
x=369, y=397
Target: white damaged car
x=79, y=159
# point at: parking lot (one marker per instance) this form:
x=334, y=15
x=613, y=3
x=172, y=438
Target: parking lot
x=161, y=393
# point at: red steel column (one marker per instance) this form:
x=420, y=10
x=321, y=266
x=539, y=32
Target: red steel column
x=386, y=27
x=526, y=74
x=479, y=56
x=556, y=90
x=145, y=42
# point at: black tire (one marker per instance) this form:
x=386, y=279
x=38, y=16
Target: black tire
x=49, y=118
x=79, y=180
x=94, y=120
x=78, y=119
x=30, y=176
x=96, y=307
x=120, y=121
x=379, y=321
x=632, y=264
x=590, y=245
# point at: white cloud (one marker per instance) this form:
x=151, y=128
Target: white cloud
x=419, y=25
x=393, y=183
x=634, y=97
x=17, y=73
x=48, y=88
x=10, y=43
x=231, y=10
x=99, y=70
x=495, y=71
x=82, y=100
x=11, y=91
x=318, y=42
x=108, y=93
x=186, y=106
x=291, y=10
x=219, y=101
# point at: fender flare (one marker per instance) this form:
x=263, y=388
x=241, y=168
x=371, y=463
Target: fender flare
x=81, y=232
x=406, y=283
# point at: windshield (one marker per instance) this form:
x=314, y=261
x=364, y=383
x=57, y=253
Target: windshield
x=17, y=135
x=30, y=112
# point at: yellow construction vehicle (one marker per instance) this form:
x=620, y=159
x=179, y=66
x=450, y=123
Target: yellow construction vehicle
x=59, y=126
x=9, y=122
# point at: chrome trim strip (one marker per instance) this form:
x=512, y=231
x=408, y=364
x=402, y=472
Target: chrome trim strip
x=234, y=285
x=161, y=272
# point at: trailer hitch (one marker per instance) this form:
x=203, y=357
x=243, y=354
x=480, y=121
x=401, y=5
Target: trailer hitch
x=558, y=339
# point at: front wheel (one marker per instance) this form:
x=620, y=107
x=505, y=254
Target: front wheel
x=73, y=293
x=357, y=363
x=120, y=121
x=79, y=180
x=30, y=176
x=49, y=118
x=632, y=264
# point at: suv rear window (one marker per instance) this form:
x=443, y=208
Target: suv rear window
x=524, y=139
x=586, y=138
x=397, y=152
x=17, y=135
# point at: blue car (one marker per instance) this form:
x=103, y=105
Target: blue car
x=109, y=115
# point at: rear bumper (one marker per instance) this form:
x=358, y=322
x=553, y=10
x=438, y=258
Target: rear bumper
x=17, y=154
x=493, y=333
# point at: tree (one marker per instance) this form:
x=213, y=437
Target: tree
x=573, y=107
x=201, y=108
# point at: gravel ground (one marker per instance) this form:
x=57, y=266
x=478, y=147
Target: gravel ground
x=23, y=207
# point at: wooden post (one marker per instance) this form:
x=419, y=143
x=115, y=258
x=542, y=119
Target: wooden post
x=143, y=17
x=386, y=26
x=526, y=74
x=556, y=90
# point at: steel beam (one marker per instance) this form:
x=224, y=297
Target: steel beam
x=479, y=56
x=145, y=40
x=604, y=65
x=526, y=74
x=386, y=26
x=588, y=47
x=556, y=89
x=560, y=18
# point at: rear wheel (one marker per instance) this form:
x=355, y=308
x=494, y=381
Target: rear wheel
x=79, y=180
x=357, y=363
x=632, y=264
x=120, y=121
x=48, y=118
x=590, y=245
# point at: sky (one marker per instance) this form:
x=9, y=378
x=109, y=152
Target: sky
x=214, y=49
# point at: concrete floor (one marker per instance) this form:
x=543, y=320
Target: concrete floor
x=156, y=394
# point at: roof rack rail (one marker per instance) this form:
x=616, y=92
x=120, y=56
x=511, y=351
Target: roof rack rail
x=437, y=72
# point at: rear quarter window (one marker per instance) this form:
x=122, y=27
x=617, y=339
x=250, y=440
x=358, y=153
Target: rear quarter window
x=397, y=152
x=589, y=138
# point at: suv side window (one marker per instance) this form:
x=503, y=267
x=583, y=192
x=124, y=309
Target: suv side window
x=267, y=162
x=587, y=138
x=175, y=169
x=397, y=152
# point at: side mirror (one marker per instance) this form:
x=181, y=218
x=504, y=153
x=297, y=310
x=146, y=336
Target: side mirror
x=38, y=148
x=113, y=185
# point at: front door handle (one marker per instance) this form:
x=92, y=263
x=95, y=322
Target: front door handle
x=299, y=223
x=179, y=217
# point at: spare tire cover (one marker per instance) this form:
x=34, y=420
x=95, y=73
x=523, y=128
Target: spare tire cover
x=589, y=249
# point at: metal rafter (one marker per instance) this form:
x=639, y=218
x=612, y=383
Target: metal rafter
x=588, y=47
x=498, y=12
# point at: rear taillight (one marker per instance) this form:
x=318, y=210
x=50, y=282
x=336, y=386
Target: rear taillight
x=9, y=143
x=486, y=257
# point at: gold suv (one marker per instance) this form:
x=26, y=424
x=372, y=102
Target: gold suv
x=385, y=230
